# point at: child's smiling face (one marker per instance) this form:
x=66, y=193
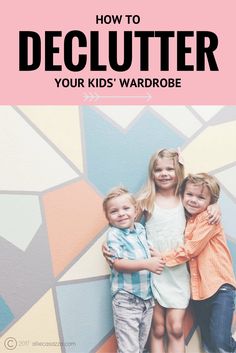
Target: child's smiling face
x=121, y=212
x=196, y=198
x=164, y=175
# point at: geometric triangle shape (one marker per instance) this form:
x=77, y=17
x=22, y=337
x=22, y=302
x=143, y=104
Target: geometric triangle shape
x=114, y=156
x=74, y=217
x=32, y=332
x=110, y=345
x=6, y=315
x=85, y=313
x=26, y=277
x=207, y=112
x=61, y=125
x=28, y=163
x=122, y=115
x=213, y=148
x=20, y=215
x=91, y=264
x=227, y=178
x=180, y=117
x=194, y=345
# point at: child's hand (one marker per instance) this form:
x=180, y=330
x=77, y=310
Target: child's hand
x=107, y=254
x=154, y=252
x=214, y=213
x=155, y=264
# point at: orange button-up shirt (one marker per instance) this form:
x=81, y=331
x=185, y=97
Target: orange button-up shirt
x=209, y=258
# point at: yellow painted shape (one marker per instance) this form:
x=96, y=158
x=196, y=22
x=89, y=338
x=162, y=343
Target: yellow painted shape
x=91, y=264
x=214, y=148
x=194, y=345
x=35, y=331
x=61, y=125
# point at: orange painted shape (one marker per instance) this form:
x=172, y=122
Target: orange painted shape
x=74, y=217
x=188, y=322
x=110, y=346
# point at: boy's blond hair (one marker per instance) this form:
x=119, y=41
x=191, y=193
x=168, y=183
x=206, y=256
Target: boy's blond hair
x=203, y=179
x=115, y=192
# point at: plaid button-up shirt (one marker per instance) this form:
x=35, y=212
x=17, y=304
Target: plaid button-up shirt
x=132, y=245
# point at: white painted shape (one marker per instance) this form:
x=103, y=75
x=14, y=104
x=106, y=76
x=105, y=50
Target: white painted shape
x=207, y=111
x=27, y=162
x=227, y=178
x=20, y=219
x=122, y=115
x=61, y=125
x=180, y=117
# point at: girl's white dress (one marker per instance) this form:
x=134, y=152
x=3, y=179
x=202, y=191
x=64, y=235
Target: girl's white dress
x=165, y=231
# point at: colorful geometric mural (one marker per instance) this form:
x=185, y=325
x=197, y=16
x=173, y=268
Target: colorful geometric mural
x=57, y=163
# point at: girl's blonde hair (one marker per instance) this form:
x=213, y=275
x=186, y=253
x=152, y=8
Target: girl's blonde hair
x=203, y=179
x=146, y=197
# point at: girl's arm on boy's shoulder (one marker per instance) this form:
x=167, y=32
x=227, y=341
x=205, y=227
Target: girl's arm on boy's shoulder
x=199, y=238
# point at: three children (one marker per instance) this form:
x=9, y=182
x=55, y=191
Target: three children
x=205, y=248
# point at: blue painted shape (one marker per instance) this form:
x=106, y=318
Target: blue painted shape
x=6, y=316
x=232, y=248
x=115, y=156
x=86, y=313
x=228, y=209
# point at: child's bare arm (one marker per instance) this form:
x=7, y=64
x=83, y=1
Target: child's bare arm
x=214, y=213
x=153, y=264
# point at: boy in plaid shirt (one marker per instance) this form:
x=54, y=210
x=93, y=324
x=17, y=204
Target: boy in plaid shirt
x=132, y=300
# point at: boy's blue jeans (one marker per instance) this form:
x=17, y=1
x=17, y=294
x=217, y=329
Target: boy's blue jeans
x=214, y=316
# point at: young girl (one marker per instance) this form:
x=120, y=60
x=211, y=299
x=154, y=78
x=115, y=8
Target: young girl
x=161, y=206
x=212, y=279
x=165, y=223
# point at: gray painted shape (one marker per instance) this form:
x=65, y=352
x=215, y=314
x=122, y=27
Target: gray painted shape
x=27, y=275
x=226, y=114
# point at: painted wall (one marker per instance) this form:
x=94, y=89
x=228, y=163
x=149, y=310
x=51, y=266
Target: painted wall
x=57, y=163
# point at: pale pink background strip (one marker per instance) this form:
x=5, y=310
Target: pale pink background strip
x=39, y=87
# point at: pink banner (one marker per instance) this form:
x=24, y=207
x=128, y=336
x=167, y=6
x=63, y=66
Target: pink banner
x=123, y=52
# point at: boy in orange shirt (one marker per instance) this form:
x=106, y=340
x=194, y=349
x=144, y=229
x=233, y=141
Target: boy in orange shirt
x=212, y=279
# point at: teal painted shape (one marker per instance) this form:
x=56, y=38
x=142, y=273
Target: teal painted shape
x=20, y=219
x=85, y=313
x=6, y=315
x=228, y=209
x=232, y=248
x=115, y=156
